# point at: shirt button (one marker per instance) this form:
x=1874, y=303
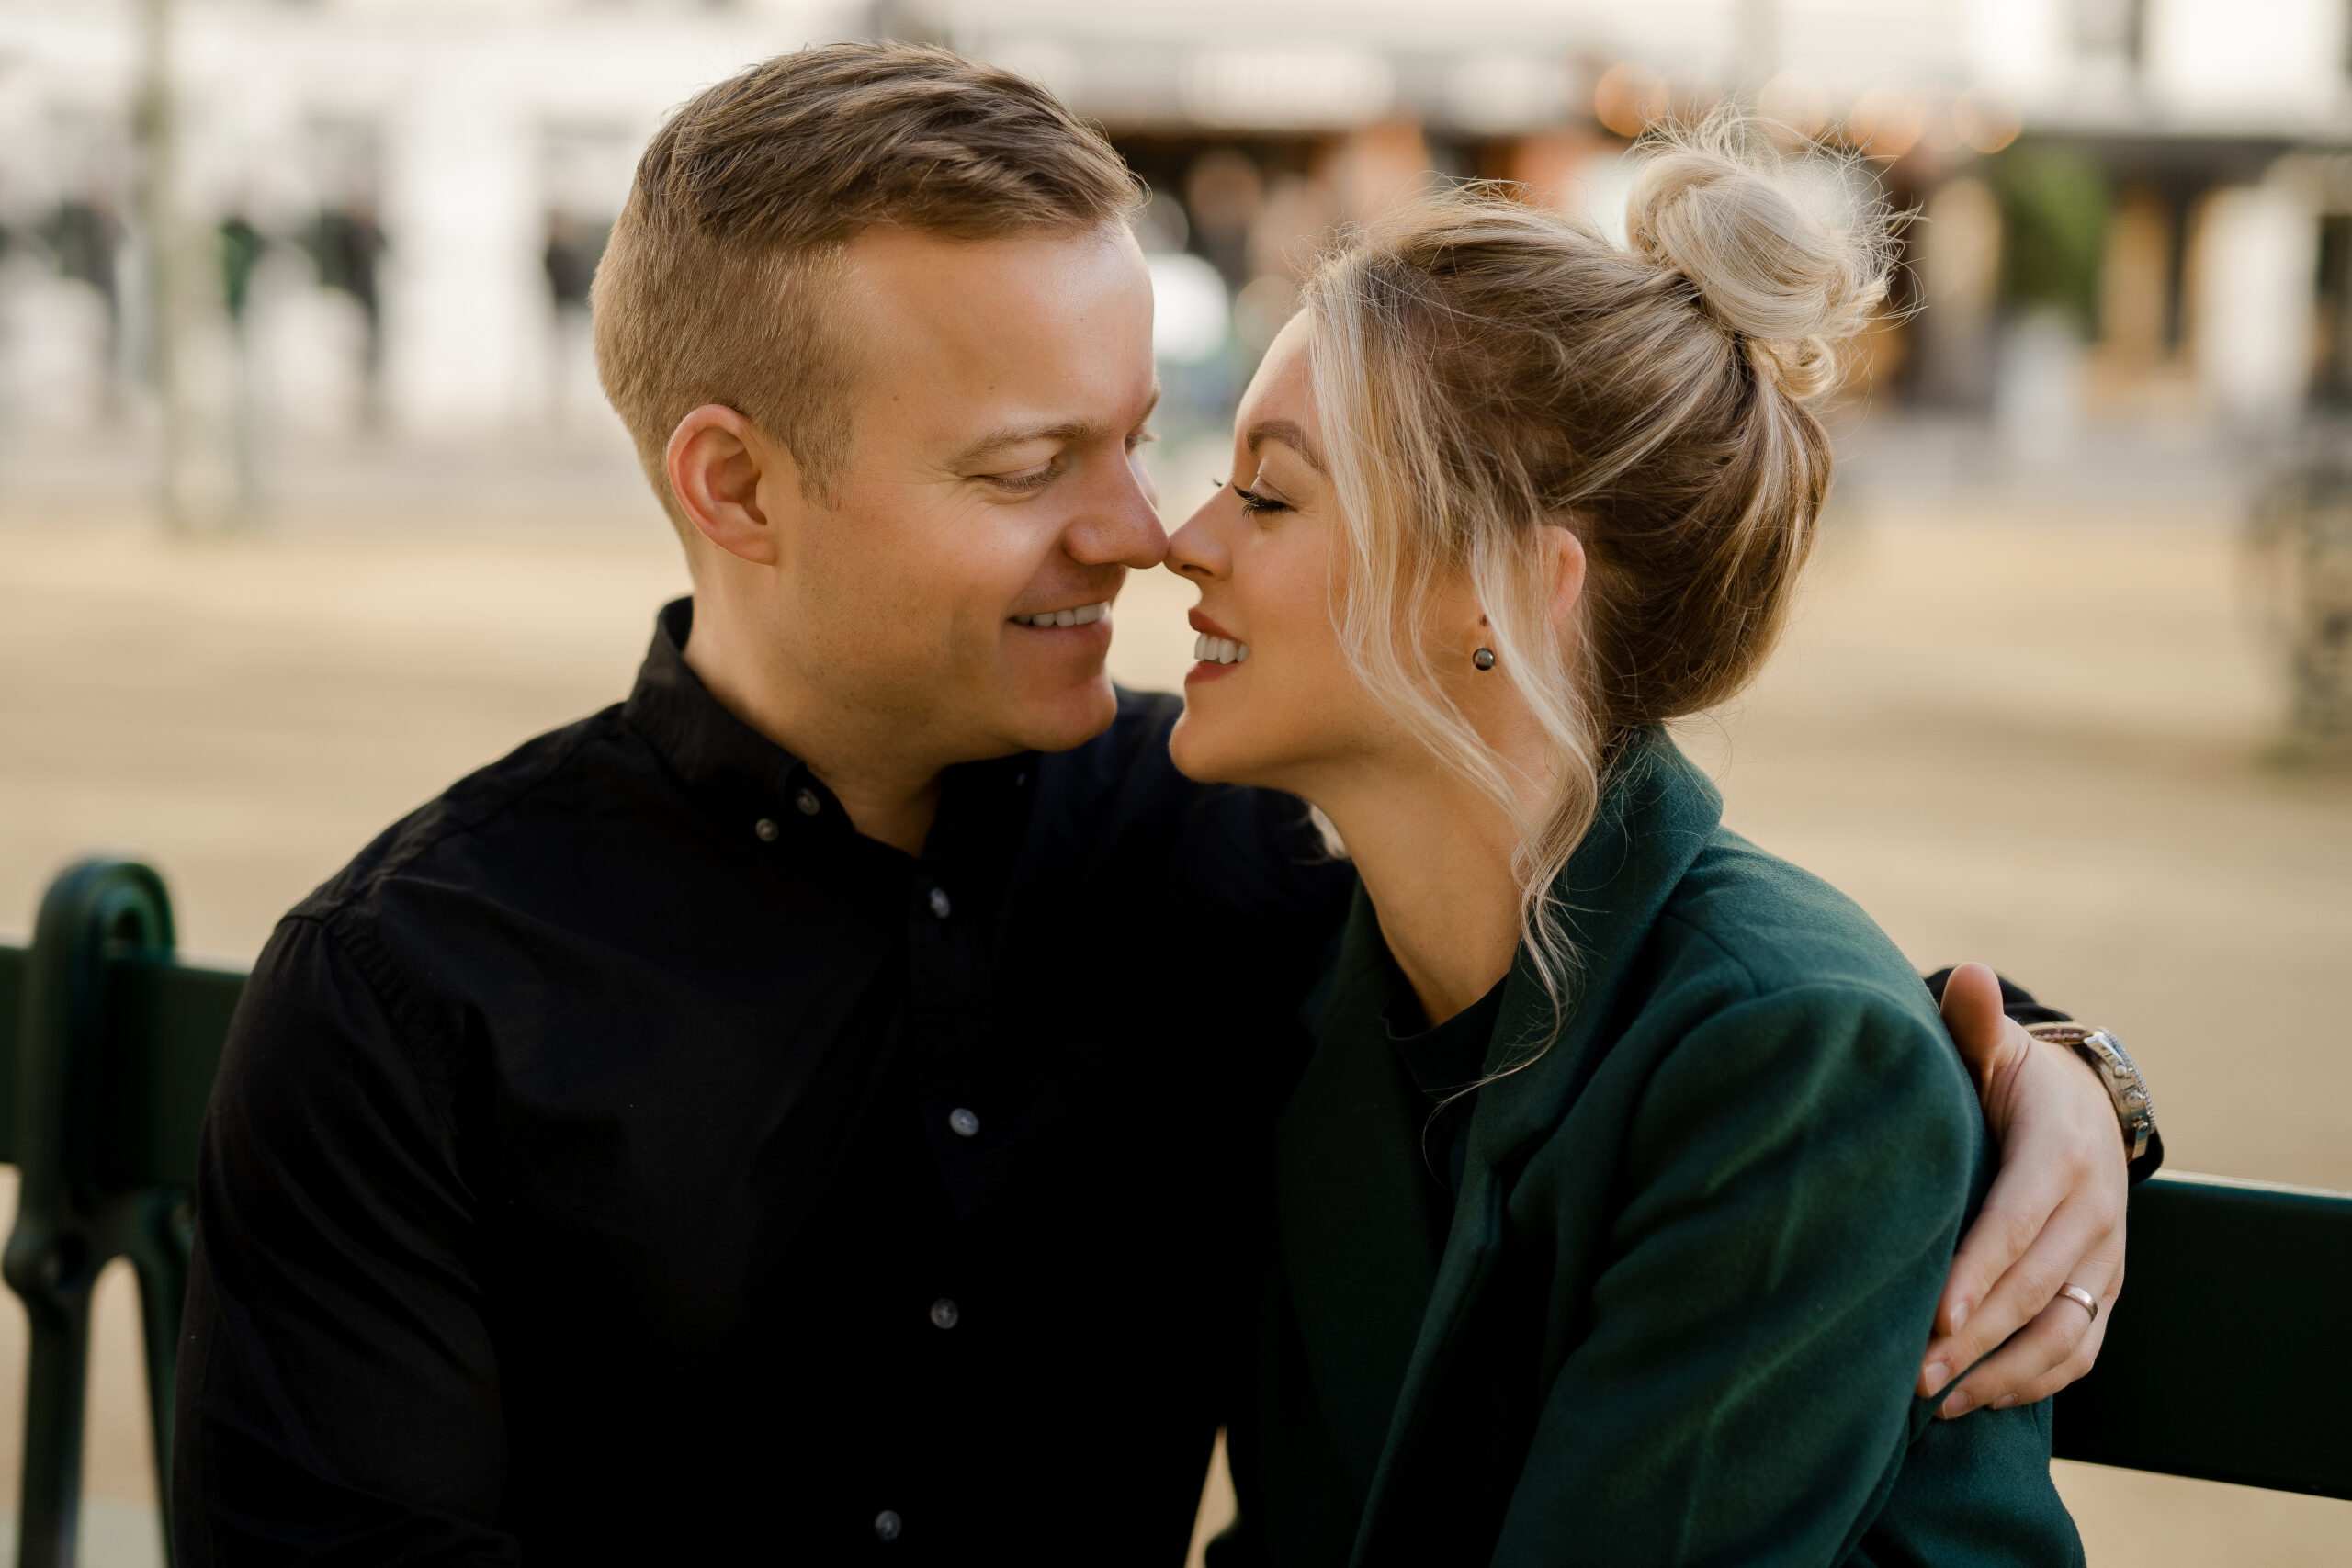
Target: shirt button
x=944, y=1314
x=807, y=802
x=938, y=904
x=766, y=829
x=886, y=1523
x=966, y=1123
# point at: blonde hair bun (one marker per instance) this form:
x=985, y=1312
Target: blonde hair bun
x=1782, y=252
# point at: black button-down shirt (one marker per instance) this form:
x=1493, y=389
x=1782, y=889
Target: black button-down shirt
x=625, y=1160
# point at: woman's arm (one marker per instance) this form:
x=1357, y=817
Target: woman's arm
x=1795, y=1176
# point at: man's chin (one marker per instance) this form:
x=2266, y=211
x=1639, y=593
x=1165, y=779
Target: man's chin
x=1069, y=719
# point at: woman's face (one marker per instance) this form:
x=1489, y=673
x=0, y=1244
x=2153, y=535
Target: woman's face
x=1272, y=700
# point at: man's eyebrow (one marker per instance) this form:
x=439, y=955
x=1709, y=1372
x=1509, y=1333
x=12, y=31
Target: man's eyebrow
x=1070, y=430
x=1290, y=434
x=995, y=441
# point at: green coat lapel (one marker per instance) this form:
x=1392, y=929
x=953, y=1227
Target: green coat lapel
x=1358, y=1263
x=1657, y=813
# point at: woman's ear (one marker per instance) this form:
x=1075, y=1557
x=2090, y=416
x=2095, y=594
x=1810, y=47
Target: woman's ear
x=1568, y=570
x=723, y=472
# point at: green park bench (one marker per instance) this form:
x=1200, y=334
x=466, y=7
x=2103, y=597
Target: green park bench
x=2226, y=1360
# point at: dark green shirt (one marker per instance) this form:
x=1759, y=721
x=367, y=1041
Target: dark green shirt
x=1690, y=1262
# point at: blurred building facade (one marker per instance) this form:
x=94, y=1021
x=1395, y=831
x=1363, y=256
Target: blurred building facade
x=383, y=214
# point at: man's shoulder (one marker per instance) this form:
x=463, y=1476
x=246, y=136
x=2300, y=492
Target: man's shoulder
x=1136, y=738
x=1126, y=771
x=1246, y=852
x=441, y=840
x=1121, y=781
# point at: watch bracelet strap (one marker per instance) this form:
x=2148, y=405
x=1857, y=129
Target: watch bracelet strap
x=2126, y=1086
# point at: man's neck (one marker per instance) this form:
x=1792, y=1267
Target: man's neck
x=889, y=796
x=883, y=809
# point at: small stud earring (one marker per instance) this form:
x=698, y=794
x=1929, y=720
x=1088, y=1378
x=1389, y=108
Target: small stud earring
x=1484, y=658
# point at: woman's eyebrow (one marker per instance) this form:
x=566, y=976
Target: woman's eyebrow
x=1291, y=435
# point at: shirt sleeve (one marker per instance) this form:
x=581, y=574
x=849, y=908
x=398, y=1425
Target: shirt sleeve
x=1795, y=1178
x=339, y=1394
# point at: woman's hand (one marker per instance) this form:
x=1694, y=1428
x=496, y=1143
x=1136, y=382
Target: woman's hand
x=2053, y=1218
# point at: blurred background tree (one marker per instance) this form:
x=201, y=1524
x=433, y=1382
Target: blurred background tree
x=2054, y=206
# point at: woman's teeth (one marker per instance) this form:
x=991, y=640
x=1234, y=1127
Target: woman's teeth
x=1219, y=650
x=1084, y=615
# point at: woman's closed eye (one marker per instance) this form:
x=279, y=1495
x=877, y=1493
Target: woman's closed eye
x=1254, y=501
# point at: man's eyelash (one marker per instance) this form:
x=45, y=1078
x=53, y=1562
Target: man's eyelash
x=1023, y=484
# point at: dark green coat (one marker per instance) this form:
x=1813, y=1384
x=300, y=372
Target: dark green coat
x=1692, y=1262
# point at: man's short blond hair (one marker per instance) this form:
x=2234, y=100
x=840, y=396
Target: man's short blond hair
x=715, y=285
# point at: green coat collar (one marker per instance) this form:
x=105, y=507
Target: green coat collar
x=1381, y=1313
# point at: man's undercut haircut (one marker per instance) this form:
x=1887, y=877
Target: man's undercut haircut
x=716, y=283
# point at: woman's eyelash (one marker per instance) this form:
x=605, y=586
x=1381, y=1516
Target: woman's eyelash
x=1252, y=501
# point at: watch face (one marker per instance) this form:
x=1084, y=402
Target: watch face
x=2135, y=1108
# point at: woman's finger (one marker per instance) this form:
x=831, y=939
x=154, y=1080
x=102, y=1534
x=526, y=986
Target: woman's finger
x=2059, y=1346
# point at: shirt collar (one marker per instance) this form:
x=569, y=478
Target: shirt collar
x=730, y=768
x=742, y=776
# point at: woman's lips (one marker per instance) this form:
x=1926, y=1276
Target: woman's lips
x=1218, y=651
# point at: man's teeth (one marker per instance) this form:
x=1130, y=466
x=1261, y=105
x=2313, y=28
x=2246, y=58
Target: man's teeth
x=1219, y=650
x=1084, y=615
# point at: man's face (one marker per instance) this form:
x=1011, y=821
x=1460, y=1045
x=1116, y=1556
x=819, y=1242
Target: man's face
x=992, y=491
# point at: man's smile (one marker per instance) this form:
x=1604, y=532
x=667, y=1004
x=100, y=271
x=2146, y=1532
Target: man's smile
x=1075, y=615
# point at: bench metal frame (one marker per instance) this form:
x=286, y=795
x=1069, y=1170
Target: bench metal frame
x=2226, y=1360
x=107, y=1051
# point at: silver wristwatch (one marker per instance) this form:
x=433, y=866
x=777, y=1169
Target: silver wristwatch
x=2117, y=1070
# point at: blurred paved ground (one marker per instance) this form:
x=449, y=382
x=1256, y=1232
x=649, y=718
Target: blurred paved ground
x=2027, y=739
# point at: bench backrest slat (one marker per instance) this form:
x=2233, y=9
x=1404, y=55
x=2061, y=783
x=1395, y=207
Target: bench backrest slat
x=2226, y=1358
x=166, y=1026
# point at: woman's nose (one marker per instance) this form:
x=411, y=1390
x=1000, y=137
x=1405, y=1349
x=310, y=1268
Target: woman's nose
x=1198, y=549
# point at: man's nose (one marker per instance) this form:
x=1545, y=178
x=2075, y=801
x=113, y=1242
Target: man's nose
x=1122, y=529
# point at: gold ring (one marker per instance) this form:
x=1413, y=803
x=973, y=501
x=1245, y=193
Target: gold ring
x=2083, y=1299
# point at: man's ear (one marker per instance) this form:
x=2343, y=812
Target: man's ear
x=724, y=473
x=1568, y=569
